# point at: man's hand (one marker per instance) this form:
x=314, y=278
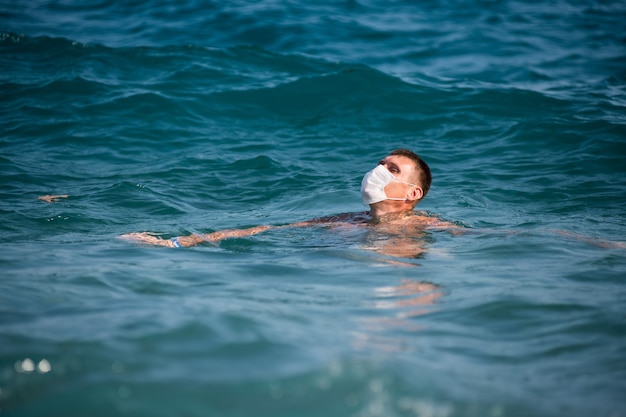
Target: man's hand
x=52, y=198
x=148, y=238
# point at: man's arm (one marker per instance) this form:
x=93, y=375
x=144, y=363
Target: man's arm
x=196, y=239
x=193, y=239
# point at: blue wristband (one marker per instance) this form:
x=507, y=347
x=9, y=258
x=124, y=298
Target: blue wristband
x=175, y=242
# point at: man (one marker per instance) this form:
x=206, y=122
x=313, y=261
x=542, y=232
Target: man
x=392, y=190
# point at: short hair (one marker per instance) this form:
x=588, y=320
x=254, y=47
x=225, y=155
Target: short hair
x=422, y=168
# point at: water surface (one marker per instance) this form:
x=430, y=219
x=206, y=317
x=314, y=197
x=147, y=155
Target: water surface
x=195, y=117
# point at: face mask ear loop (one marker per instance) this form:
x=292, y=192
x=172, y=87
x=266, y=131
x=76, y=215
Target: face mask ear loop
x=407, y=183
x=404, y=182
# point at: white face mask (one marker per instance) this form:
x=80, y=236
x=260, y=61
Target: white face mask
x=374, y=183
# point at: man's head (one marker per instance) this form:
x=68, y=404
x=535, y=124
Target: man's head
x=412, y=176
x=399, y=182
x=415, y=171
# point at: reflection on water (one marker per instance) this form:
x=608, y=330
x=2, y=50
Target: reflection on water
x=403, y=303
x=397, y=246
x=405, y=237
x=400, y=245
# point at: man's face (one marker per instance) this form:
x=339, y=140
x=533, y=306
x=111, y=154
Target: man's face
x=403, y=169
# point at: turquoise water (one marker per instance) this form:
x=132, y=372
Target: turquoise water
x=179, y=118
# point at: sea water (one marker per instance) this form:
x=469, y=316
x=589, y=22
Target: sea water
x=190, y=117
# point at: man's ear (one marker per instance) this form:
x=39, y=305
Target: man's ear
x=416, y=193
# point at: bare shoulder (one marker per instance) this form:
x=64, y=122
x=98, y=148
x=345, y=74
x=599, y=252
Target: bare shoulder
x=417, y=219
x=423, y=219
x=351, y=218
